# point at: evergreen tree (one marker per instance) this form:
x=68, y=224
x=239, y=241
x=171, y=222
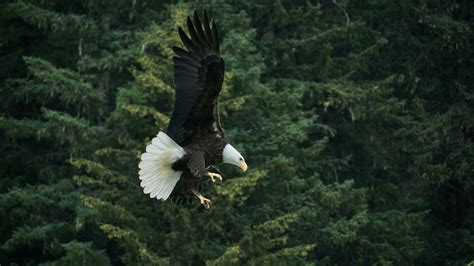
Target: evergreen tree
x=75, y=55
x=355, y=118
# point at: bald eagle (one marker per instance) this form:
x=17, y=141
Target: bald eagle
x=194, y=140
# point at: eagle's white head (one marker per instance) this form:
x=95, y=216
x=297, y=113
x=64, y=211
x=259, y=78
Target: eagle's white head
x=231, y=156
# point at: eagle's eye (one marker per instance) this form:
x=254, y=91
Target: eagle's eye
x=241, y=159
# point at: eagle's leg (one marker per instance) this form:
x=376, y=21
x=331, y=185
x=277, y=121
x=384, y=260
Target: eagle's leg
x=204, y=201
x=216, y=178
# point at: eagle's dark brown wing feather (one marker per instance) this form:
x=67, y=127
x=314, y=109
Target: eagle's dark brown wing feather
x=199, y=72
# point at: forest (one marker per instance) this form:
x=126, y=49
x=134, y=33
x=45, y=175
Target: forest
x=356, y=118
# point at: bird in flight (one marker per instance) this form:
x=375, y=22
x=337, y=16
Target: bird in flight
x=194, y=140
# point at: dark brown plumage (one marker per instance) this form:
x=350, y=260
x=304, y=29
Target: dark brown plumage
x=195, y=125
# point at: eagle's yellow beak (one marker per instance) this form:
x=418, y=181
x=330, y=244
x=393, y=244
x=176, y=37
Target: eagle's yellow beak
x=244, y=166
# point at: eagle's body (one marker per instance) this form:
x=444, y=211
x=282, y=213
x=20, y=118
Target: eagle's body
x=209, y=148
x=195, y=139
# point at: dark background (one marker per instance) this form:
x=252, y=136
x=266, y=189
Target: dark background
x=355, y=117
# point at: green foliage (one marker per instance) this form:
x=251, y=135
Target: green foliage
x=78, y=253
x=355, y=117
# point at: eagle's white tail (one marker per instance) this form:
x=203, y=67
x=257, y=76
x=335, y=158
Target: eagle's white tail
x=157, y=176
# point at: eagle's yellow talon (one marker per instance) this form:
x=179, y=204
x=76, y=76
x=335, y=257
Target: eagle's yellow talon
x=204, y=201
x=216, y=178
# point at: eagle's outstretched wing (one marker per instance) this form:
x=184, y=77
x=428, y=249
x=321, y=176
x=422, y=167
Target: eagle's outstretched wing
x=198, y=76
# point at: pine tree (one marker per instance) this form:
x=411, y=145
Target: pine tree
x=355, y=118
x=52, y=122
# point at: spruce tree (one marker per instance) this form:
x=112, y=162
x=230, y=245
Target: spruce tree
x=355, y=118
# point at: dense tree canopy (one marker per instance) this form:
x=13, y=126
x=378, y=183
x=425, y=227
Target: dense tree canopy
x=355, y=117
